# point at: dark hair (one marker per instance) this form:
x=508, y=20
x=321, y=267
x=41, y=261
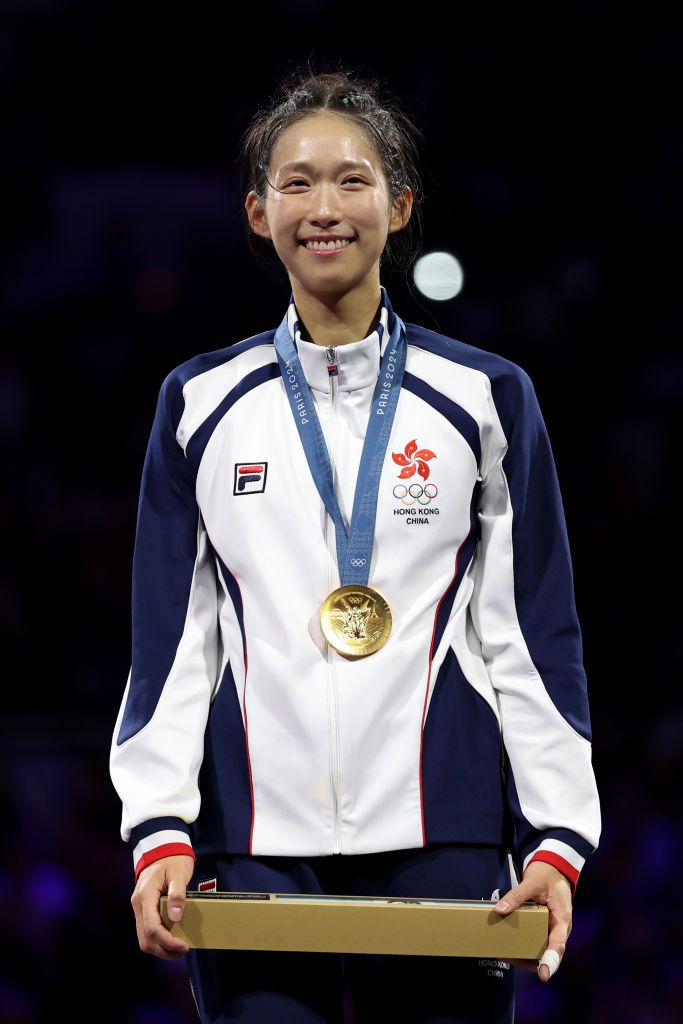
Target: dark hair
x=388, y=129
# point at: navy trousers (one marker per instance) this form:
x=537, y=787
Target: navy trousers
x=311, y=988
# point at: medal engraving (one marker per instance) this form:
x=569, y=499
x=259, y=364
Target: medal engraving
x=355, y=620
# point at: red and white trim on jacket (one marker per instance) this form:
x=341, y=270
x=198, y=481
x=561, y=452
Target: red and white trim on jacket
x=167, y=843
x=561, y=856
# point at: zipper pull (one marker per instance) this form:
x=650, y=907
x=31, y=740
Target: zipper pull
x=331, y=361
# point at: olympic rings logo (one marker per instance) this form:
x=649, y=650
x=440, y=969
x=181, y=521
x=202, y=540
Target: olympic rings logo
x=356, y=562
x=415, y=493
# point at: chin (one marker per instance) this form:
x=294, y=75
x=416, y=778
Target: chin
x=326, y=284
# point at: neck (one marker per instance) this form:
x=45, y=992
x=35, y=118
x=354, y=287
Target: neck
x=337, y=320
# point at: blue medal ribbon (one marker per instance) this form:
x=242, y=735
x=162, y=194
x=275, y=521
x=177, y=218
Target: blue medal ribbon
x=354, y=550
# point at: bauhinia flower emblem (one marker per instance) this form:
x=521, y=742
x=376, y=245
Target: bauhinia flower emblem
x=413, y=460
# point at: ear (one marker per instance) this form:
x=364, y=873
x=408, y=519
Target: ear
x=401, y=210
x=256, y=215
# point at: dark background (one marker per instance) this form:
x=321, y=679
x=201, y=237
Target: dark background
x=552, y=162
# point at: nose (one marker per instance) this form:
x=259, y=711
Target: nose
x=324, y=208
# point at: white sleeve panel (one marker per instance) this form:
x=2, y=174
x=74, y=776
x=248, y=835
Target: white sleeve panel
x=550, y=761
x=155, y=770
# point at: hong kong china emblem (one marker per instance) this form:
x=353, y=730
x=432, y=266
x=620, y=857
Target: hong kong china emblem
x=415, y=499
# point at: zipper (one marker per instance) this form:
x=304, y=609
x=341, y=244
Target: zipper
x=335, y=773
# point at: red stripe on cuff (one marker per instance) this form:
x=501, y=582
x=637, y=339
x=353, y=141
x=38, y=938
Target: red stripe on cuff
x=167, y=850
x=567, y=869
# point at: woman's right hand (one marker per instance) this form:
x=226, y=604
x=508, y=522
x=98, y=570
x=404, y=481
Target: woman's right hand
x=168, y=875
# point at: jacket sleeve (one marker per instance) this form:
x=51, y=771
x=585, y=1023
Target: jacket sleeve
x=158, y=741
x=524, y=612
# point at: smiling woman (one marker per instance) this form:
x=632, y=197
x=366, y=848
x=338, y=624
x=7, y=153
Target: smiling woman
x=306, y=711
x=328, y=212
x=337, y=182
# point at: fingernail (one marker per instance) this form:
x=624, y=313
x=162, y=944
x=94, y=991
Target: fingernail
x=503, y=906
x=175, y=913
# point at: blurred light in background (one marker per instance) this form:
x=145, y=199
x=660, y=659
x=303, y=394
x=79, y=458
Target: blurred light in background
x=438, y=275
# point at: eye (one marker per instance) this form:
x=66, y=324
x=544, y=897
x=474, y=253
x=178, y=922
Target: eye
x=353, y=179
x=296, y=183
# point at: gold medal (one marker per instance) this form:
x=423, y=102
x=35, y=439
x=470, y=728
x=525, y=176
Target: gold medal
x=355, y=620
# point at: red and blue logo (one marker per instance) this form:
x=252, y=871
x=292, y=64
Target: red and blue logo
x=250, y=477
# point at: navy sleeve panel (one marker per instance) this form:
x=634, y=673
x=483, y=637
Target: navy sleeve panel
x=543, y=579
x=154, y=825
x=163, y=560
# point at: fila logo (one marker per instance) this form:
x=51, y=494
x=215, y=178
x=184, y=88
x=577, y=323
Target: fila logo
x=250, y=477
x=208, y=885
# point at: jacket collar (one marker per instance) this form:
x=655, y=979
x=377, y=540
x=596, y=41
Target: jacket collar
x=357, y=362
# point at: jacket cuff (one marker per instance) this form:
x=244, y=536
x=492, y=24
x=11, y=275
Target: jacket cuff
x=562, y=854
x=157, y=838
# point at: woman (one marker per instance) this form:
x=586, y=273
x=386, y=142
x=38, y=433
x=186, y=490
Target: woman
x=354, y=631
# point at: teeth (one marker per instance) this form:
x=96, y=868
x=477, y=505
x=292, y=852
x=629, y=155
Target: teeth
x=336, y=243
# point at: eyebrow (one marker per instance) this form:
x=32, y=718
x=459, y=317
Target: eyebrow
x=305, y=165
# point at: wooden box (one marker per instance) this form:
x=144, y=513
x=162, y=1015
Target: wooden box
x=354, y=924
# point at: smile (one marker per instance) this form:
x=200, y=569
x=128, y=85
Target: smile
x=334, y=245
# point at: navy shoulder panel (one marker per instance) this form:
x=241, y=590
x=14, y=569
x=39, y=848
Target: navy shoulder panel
x=490, y=363
x=177, y=378
x=510, y=384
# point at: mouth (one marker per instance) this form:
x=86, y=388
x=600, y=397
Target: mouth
x=326, y=245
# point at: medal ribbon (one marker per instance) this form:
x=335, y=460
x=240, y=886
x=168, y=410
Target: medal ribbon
x=354, y=550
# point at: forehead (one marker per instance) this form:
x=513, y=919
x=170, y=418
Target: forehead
x=323, y=137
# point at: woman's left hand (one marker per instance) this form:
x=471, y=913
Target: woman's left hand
x=543, y=884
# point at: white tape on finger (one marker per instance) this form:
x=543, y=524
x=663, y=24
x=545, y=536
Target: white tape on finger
x=551, y=959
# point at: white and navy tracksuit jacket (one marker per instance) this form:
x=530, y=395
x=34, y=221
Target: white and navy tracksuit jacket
x=241, y=730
